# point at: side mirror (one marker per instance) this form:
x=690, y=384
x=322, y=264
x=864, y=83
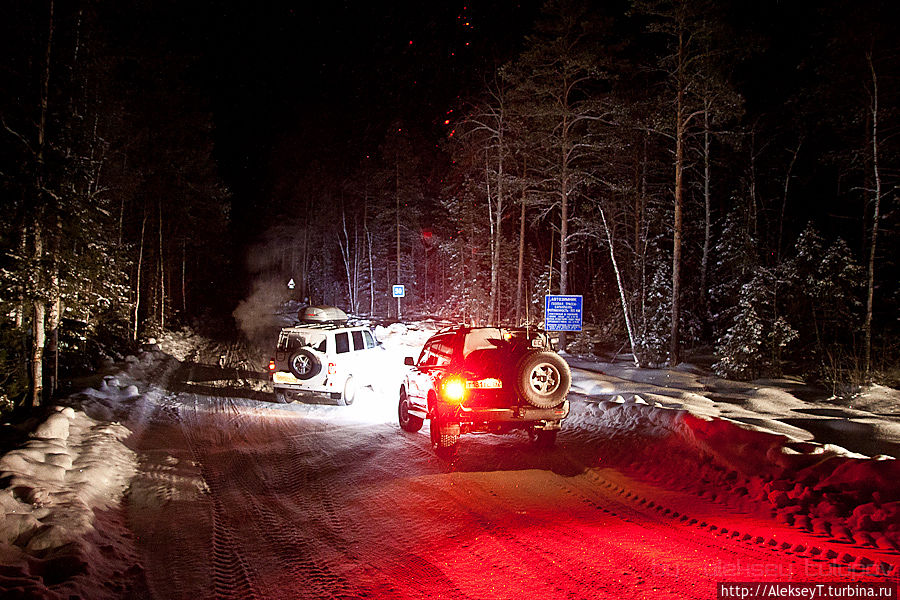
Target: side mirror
x=409, y=362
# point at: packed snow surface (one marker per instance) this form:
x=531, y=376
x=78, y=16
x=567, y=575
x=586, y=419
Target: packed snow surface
x=129, y=488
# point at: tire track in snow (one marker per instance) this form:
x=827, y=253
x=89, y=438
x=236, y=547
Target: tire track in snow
x=232, y=575
x=275, y=513
x=733, y=524
x=167, y=480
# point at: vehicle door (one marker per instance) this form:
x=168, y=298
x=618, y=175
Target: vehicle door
x=343, y=361
x=433, y=362
x=367, y=356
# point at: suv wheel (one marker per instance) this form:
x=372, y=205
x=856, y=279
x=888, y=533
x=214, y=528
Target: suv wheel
x=349, y=394
x=304, y=364
x=408, y=422
x=444, y=437
x=543, y=378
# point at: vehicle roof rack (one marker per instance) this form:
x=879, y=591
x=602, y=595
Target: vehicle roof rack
x=318, y=325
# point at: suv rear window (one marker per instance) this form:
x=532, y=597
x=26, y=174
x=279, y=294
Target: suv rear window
x=294, y=340
x=482, y=339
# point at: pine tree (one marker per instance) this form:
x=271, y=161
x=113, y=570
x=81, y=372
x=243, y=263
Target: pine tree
x=752, y=347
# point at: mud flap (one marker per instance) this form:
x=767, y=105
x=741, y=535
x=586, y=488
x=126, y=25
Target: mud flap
x=449, y=429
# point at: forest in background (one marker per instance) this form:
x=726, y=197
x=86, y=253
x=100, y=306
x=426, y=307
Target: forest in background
x=114, y=221
x=675, y=163
x=714, y=178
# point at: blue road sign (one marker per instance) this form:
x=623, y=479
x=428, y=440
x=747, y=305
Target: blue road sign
x=563, y=313
x=399, y=291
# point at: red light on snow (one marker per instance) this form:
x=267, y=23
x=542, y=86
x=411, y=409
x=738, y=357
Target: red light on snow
x=453, y=389
x=271, y=365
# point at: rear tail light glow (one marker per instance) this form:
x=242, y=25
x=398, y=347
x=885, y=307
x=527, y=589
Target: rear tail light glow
x=272, y=365
x=453, y=389
x=332, y=368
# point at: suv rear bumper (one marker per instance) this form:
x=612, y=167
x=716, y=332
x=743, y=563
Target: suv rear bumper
x=486, y=419
x=325, y=388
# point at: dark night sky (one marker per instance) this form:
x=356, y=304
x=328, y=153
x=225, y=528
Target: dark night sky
x=331, y=76
x=322, y=81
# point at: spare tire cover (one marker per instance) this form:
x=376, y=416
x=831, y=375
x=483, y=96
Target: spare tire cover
x=543, y=379
x=304, y=364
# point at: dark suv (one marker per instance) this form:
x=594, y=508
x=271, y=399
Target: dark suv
x=485, y=380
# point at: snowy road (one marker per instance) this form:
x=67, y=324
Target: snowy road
x=169, y=476
x=238, y=498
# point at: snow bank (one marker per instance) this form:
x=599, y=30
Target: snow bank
x=73, y=470
x=822, y=488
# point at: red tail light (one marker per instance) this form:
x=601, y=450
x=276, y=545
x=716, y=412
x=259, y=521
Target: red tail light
x=332, y=368
x=453, y=389
x=272, y=366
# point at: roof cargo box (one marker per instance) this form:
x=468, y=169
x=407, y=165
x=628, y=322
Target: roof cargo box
x=322, y=314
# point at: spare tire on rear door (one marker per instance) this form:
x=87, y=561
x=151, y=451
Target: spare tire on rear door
x=304, y=364
x=543, y=379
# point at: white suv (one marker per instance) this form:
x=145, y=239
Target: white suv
x=324, y=359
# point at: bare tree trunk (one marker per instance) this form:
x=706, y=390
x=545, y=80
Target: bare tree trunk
x=38, y=302
x=521, y=268
x=371, y=276
x=707, y=204
x=183, y=276
x=784, y=199
x=493, y=240
x=304, y=259
x=612, y=256
x=368, y=237
x=564, y=225
x=495, y=234
x=753, y=200
x=38, y=335
x=642, y=233
x=870, y=292
x=680, y=126
x=397, y=199
x=53, y=322
x=21, y=289
x=137, y=284
x=162, y=273
x=344, y=245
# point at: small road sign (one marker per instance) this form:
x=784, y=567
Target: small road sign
x=563, y=313
x=291, y=284
x=399, y=291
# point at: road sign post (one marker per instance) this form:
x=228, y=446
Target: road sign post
x=563, y=313
x=398, y=290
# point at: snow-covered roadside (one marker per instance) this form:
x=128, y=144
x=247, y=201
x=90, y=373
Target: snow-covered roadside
x=662, y=426
x=61, y=531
